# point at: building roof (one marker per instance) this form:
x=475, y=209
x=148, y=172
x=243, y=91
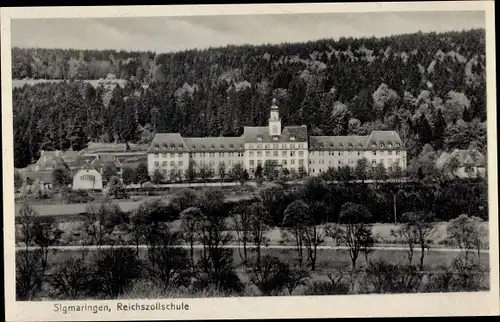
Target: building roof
x=105, y=158
x=49, y=160
x=256, y=134
x=168, y=142
x=387, y=140
x=465, y=158
x=94, y=147
x=337, y=142
x=215, y=144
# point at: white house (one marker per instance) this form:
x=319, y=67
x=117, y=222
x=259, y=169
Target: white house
x=464, y=163
x=87, y=178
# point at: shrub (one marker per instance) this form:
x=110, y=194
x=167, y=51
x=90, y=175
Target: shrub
x=71, y=278
x=327, y=288
x=270, y=275
x=29, y=274
x=383, y=277
x=114, y=272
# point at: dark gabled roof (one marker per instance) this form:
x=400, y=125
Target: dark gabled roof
x=168, y=142
x=256, y=134
x=469, y=157
x=387, y=140
x=215, y=144
x=105, y=158
x=320, y=143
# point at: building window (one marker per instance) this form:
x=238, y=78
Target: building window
x=259, y=138
x=156, y=155
x=292, y=161
x=259, y=162
x=179, y=155
x=301, y=162
x=398, y=152
x=164, y=163
x=251, y=162
x=292, y=153
x=283, y=153
x=164, y=171
x=164, y=155
x=374, y=152
x=250, y=146
x=389, y=152
x=275, y=146
x=301, y=153
x=268, y=153
x=275, y=153
x=397, y=145
x=157, y=164
x=250, y=153
x=292, y=138
x=359, y=153
x=283, y=146
x=180, y=163
x=374, y=162
x=283, y=162
x=266, y=146
x=172, y=163
x=259, y=153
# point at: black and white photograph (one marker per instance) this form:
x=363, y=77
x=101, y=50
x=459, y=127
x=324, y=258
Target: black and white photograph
x=261, y=155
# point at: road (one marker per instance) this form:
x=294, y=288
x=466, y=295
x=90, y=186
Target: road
x=397, y=248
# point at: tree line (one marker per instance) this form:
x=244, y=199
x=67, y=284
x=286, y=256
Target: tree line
x=429, y=87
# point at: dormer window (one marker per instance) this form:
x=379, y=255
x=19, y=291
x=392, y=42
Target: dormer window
x=172, y=145
x=389, y=145
x=222, y=146
x=381, y=145
x=203, y=146
x=275, y=138
x=292, y=138
x=350, y=145
x=374, y=145
x=180, y=146
x=331, y=145
x=165, y=145
x=157, y=145
x=192, y=146
x=231, y=145
x=213, y=146
x=341, y=145
x=259, y=138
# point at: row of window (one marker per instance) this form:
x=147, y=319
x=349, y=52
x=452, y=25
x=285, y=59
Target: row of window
x=283, y=162
x=87, y=177
x=275, y=153
x=342, y=153
x=165, y=163
x=277, y=146
x=390, y=165
x=213, y=154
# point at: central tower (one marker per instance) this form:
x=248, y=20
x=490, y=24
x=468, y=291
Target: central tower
x=274, y=120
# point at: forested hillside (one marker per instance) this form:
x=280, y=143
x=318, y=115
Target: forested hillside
x=429, y=87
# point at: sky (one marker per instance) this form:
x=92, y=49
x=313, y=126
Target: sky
x=167, y=34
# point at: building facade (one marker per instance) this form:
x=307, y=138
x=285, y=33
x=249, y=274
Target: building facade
x=287, y=147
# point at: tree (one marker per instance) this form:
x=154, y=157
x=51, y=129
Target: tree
x=379, y=173
x=46, y=234
x=61, y=177
x=302, y=172
x=361, y=169
x=128, y=175
x=270, y=171
x=354, y=231
x=190, y=225
x=157, y=177
x=258, y=224
x=241, y=225
x=239, y=173
x=293, y=220
x=258, y=173
x=408, y=235
x=467, y=232
x=141, y=174
x=205, y=173
x=18, y=180
x=270, y=275
x=191, y=172
x=115, y=188
x=455, y=105
x=109, y=170
x=71, y=278
x=222, y=170
x=423, y=228
x=296, y=278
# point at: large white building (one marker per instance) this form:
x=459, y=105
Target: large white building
x=289, y=147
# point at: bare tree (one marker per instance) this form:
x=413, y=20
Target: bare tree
x=258, y=218
x=466, y=232
x=190, y=226
x=423, y=227
x=293, y=220
x=354, y=232
x=46, y=234
x=241, y=225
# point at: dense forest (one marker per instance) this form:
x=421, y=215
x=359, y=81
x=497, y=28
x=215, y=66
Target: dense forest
x=429, y=87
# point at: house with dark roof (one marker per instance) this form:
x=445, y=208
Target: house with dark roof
x=462, y=163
